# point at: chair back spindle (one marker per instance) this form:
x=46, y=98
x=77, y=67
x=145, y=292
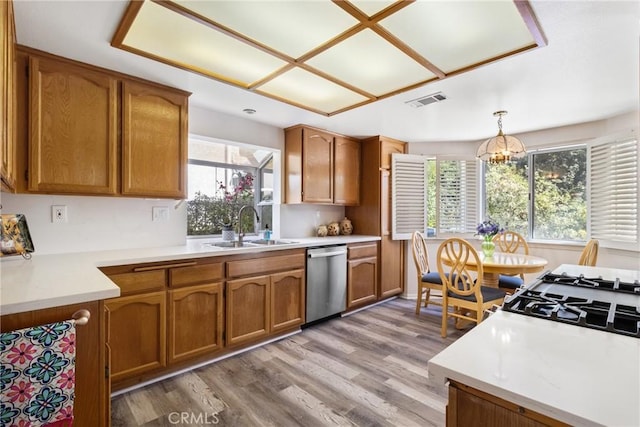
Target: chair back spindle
x=589, y=255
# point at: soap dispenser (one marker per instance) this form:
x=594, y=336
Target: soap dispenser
x=267, y=232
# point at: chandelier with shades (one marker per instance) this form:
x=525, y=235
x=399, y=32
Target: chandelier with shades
x=501, y=148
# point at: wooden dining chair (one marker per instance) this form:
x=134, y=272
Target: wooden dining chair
x=427, y=280
x=589, y=254
x=461, y=291
x=511, y=242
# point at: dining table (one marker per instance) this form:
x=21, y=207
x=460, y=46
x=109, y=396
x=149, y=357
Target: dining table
x=503, y=263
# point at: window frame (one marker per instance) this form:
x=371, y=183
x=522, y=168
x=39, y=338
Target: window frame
x=588, y=146
x=276, y=170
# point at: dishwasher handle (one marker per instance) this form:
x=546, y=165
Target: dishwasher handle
x=326, y=254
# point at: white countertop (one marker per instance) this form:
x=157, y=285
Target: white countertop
x=47, y=281
x=577, y=375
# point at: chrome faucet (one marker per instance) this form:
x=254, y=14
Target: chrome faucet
x=240, y=231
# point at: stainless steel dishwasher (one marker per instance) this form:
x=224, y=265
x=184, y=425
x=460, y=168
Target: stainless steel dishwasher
x=326, y=281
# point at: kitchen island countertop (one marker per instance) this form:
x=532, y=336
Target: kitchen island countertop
x=54, y=280
x=573, y=374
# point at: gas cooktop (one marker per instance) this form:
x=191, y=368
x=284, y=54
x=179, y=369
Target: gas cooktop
x=593, y=302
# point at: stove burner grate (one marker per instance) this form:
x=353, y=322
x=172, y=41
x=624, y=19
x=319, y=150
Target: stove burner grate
x=606, y=316
x=593, y=282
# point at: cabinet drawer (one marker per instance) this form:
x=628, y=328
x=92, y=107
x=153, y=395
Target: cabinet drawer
x=265, y=265
x=362, y=251
x=143, y=281
x=203, y=273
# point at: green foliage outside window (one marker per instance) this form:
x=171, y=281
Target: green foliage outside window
x=207, y=215
x=559, y=195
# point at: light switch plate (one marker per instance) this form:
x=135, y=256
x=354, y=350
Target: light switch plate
x=160, y=213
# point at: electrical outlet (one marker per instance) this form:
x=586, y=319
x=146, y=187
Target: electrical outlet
x=58, y=213
x=160, y=213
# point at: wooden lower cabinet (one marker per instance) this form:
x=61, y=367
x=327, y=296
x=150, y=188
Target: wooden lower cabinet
x=468, y=406
x=248, y=309
x=262, y=305
x=178, y=313
x=195, y=321
x=391, y=268
x=287, y=300
x=362, y=274
x=91, y=404
x=138, y=334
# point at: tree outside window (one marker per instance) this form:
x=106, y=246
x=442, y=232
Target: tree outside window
x=558, y=195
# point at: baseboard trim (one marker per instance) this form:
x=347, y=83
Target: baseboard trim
x=367, y=306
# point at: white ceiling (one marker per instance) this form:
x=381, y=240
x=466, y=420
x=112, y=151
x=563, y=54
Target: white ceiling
x=588, y=71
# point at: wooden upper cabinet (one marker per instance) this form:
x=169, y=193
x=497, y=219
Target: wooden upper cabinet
x=93, y=131
x=346, y=171
x=321, y=167
x=74, y=129
x=388, y=147
x=7, y=97
x=317, y=160
x=154, y=141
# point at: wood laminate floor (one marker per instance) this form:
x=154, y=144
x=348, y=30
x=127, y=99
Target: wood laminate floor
x=366, y=369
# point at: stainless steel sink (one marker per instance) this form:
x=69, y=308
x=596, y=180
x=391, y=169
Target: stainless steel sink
x=234, y=244
x=270, y=242
x=248, y=244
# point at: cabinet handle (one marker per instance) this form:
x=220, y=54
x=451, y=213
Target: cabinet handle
x=162, y=267
x=81, y=317
x=326, y=254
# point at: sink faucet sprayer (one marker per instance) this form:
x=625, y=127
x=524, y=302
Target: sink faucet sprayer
x=240, y=231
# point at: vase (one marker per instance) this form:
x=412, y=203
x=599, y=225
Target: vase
x=346, y=227
x=227, y=233
x=488, y=247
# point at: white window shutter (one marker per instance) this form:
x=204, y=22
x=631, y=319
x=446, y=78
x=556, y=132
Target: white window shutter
x=614, y=193
x=458, y=196
x=408, y=195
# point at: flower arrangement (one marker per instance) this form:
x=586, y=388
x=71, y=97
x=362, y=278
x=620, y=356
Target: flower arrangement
x=488, y=229
x=234, y=198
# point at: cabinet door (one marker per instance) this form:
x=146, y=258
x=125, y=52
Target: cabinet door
x=89, y=405
x=195, y=321
x=74, y=129
x=154, y=141
x=287, y=300
x=247, y=307
x=317, y=167
x=387, y=148
x=7, y=97
x=391, y=269
x=346, y=172
x=138, y=334
x=362, y=277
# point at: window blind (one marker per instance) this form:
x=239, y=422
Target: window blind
x=458, y=196
x=408, y=195
x=614, y=193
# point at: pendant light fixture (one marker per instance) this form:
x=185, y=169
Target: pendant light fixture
x=501, y=148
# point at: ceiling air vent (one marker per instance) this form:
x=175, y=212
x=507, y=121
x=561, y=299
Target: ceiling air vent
x=426, y=100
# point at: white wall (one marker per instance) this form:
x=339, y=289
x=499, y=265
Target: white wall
x=556, y=254
x=303, y=220
x=97, y=223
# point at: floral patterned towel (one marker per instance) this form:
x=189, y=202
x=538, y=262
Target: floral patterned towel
x=37, y=375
